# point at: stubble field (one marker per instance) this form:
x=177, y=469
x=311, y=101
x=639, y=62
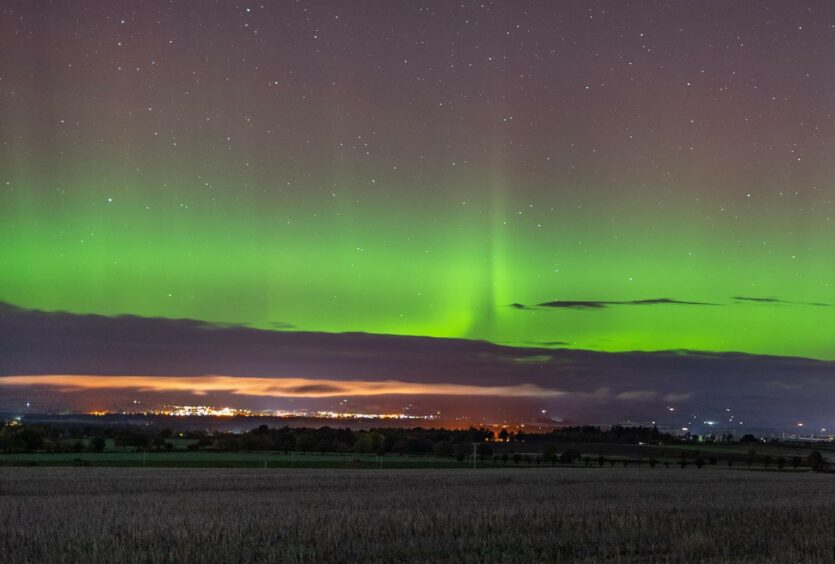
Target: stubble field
x=503, y=515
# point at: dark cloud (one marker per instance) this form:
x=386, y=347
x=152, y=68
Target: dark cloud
x=601, y=304
x=777, y=301
x=316, y=389
x=758, y=300
x=281, y=325
x=574, y=304
x=583, y=385
x=598, y=304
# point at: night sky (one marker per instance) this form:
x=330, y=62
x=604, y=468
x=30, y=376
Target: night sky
x=595, y=176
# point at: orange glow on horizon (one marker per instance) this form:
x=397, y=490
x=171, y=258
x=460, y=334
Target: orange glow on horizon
x=272, y=387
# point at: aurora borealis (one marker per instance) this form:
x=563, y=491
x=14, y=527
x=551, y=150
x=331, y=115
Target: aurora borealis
x=607, y=176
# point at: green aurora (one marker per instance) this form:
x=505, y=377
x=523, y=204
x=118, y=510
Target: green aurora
x=453, y=271
x=340, y=200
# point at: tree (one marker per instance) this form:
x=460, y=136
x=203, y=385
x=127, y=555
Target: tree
x=232, y=444
x=98, y=444
x=504, y=436
x=815, y=461
x=569, y=456
x=400, y=446
x=371, y=441
x=601, y=460
x=443, y=449
x=306, y=442
x=30, y=439
x=484, y=451
x=549, y=452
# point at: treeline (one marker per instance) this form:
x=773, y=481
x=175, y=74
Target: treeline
x=591, y=434
x=16, y=437
x=558, y=446
x=440, y=442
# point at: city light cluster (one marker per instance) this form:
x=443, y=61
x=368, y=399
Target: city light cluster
x=211, y=411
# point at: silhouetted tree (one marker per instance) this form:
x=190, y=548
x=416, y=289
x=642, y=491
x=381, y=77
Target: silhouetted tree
x=549, y=452
x=444, y=449
x=30, y=439
x=815, y=461
x=484, y=451
x=98, y=444
x=569, y=456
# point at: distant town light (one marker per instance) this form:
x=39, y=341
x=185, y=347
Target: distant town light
x=210, y=411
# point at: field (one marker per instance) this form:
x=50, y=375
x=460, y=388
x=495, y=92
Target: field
x=615, y=454
x=215, y=459
x=492, y=515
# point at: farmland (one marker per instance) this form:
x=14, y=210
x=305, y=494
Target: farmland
x=512, y=455
x=491, y=515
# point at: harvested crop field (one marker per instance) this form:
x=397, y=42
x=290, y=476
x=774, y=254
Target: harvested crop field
x=506, y=515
